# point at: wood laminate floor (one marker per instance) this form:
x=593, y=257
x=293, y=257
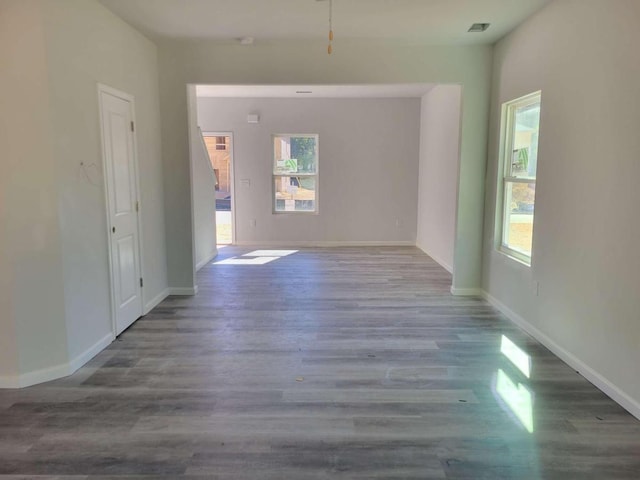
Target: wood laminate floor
x=347, y=363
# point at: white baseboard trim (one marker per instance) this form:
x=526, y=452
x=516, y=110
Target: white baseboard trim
x=184, y=291
x=438, y=260
x=35, y=377
x=466, y=292
x=207, y=260
x=91, y=352
x=307, y=243
x=9, y=381
x=58, y=371
x=616, y=394
x=155, y=301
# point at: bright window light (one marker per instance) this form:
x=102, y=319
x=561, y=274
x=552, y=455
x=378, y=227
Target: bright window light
x=516, y=356
x=516, y=200
x=295, y=173
x=270, y=253
x=246, y=261
x=517, y=397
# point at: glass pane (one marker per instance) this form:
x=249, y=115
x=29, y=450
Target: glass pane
x=519, y=200
x=295, y=194
x=295, y=154
x=526, y=128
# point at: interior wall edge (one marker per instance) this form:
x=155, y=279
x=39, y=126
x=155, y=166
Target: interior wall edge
x=58, y=371
x=206, y=260
x=466, y=292
x=183, y=291
x=155, y=301
x=438, y=260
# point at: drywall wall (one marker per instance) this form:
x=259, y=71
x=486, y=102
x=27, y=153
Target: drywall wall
x=585, y=246
x=87, y=45
x=438, y=177
x=306, y=62
x=32, y=310
x=203, y=180
x=368, y=167
x=54, y=263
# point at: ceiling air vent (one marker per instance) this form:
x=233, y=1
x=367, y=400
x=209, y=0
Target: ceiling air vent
x=479, y=27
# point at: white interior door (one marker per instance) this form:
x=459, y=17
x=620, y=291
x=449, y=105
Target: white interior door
x=122, y=200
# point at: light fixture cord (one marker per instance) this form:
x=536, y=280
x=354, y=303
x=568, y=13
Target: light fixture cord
x=330, y=48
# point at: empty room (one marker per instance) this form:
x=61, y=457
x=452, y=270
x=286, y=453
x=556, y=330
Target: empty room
x=310, y=239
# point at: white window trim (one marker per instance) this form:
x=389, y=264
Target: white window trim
x=505, y=152
x=315, y=175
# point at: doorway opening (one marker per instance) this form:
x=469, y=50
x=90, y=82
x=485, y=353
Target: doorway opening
x=220, y=150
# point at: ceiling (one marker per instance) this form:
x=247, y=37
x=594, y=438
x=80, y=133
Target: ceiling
x=416, y=90
x=416, y=21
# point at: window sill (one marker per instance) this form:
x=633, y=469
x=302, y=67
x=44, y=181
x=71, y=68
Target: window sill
x=515, y=256
x=294, y=213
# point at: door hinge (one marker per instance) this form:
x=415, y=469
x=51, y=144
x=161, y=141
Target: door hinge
x=137, y=206
x=132, y=127
x=141, y=282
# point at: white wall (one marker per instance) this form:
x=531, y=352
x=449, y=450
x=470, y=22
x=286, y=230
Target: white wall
x=57, y=272
x=203, y=180
x=438, y=177
x=86, y=45
x=32, y=328
x=368, y=167
x=583, y=55
x=306, y=62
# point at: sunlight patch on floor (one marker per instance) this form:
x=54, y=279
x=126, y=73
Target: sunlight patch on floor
x=257, y=257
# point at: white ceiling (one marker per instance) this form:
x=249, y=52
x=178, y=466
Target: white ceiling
x=419, y=21
x=317, y=91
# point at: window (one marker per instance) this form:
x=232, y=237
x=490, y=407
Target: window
x=221, y=143
x=295, y=173
x=520, y=127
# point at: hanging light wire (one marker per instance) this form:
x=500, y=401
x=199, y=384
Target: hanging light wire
x=330, y=48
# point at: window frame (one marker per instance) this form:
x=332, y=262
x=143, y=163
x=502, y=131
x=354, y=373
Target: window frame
x=315, y=176
x=505, y=177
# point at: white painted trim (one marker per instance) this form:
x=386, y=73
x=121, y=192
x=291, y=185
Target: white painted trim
x=183, y=291
x=439, y=261
x=466, y=292
x=597, y=379
x=207, y=260
x=91, y=352
x=57, y=371
x=309, y=243
x=12, y=381
x=155, y=301
x=39, y=376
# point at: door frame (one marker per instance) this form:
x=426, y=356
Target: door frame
x=232, y=181
x=132, y=107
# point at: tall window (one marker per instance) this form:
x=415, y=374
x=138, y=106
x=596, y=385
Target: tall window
x=295, y=173
x=520, y=127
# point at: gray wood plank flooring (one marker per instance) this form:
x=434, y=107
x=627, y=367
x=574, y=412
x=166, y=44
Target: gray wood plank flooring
x=351, y=363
